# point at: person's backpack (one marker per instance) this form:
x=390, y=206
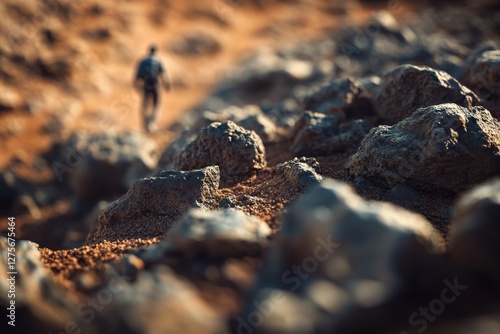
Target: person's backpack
x=149, y=70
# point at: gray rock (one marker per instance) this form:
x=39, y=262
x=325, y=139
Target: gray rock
x=482, y=75
x=319, y=134
x=250, y=117
x=444, y=147
x=103, y=166
x=222, y=233
x=475, y=228
x=333, y=97
x=237, y=151
x=157, y=302
x=405, y=194
x=302, y=172
x=406, y=88
x=337, y=255
x=152, y=204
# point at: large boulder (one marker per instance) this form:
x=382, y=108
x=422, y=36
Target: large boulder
x=152, y=204
x=237, y=151
x=320, y=134
x=406, y=88
x=223, y=233
x=103, y=166
x=482, y=75
x=337, y=255
x=444, y=147
x=475, y=230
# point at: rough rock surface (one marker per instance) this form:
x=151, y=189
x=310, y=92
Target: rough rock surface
x=337, y=255
x=250, y=117
x=223, y=233
x=406, y=88
x=237, y=151
x=482, y=75
x=333, y=97
x=475, y=230
x=443, y=147
x=152, y=204
x=319, y=134
x=102, y=166
x=302, y=172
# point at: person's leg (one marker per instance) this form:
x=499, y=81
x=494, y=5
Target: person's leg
x=145, y=112
x=156, y=101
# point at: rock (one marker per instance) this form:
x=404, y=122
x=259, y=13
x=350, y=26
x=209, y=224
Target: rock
x=174, y=150
x=103, y=166
x=157, y=302
x=9, y=99
x=35, y=286
x=237, y=151
x=250, y=117
x=196, y=44
x=430, y=148
x=473, y=241
x=221, y=233
x=482, y=75
x=25, y=204
x=152, y=204
x=332, y=97
x=301, y=172
x=319, y=134
x=406, y=88
x=336, y=257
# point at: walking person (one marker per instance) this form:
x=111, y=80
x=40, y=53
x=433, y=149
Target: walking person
x=150, y=74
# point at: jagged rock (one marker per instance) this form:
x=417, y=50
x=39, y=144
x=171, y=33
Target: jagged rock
x=171, y=154
x=103, y=166
x=250, y=117
x=406, y=88
x=152, y=204
x=142, y=306
x=475, y=228
x=482, y=75
x=224, y=233
x=319, y=134
x=337, y=255
x=302, y=172
x=34, y=286
x=333, y=97
x=443, y=147
x=237, y=151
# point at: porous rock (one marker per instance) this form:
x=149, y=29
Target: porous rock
x=237, y=151
x=319, y=134
x=482, y=75
x=302, y=172
x=406, y=88
x=226, y=232
x=444, y=147
x=337, y=255
x=475, y=229
x=152, y=204
x=333, y=97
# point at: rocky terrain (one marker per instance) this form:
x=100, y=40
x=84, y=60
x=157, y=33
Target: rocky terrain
x=322, y=167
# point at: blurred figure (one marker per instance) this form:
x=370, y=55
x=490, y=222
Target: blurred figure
x=150, y=74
